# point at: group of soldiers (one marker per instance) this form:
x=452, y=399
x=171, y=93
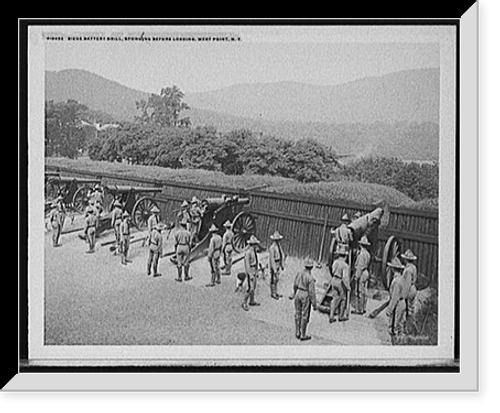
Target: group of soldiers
x=345, y=291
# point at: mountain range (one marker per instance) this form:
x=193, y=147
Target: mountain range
x=393, y=115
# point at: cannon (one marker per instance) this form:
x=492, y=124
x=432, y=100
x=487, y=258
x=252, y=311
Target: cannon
x=219, y=210
x=136, y=200
x=75, y=192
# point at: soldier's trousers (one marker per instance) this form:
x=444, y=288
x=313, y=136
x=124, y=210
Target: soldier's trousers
x=397, y=319
x=154, y=257
x=302, y=304
x=182, y=260
x=116, y=230
x=273, y=282
x=91, y=238
x=215, y=269
x=125, y=245
x=338, y=302
x=228, y=261
x=360, y=291
x=411, y=327
x=249, y=296
x=56, y=233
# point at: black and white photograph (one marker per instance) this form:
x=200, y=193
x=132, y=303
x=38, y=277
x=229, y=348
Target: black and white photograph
x=243, y=195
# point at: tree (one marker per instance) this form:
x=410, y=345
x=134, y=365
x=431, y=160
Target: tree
x=64, y=135
x=164, y=109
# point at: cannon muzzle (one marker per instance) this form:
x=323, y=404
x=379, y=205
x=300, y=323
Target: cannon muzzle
x=360, y=226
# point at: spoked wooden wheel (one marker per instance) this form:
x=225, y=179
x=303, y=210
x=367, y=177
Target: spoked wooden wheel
x=81, y=198
x=142, y=211
x=392, y=249
x=244, y=226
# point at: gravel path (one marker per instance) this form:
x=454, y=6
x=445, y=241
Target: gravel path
x=92, y=299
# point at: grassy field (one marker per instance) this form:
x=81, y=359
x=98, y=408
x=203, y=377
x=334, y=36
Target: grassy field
x=365, y=193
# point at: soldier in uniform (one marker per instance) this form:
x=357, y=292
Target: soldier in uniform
x=55, y=222
x=276, y=261
x=182, y=245
x=304, y=296
x=252, y=271
x=214, y=253
x=185, y=215
x=410, y=277
x=153, y=219
x=90, y=228
x=62, y=210
x=340, y=286
x=155, y=244
x=125, y=237
x=97, y=200
x=397, y=305
x=342, y=235
x=361, y=276
x=196, y=214
x=227, y=248
x=116, y=220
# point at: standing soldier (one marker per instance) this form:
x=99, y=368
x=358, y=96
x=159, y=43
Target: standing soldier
x=361, y=276
x=90, y=228
x=184, y=215
x=397, y=305
x=227, y=248
x=55, y=223
x=342, y=235
x=155, y=244
x=410, y=277
x=251, y=270
x=196, y=214
x=340, y=286
x=116, y=220
x=97, y=200
x=182, y=245
x=125, y=237
x=214, y=253
x=304, y=296
x=276, y=260
x=62, y=210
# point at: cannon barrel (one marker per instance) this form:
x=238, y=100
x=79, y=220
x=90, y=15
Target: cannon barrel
x=128, y=188
x=362, y=224
x=69, y=179
x=213, y=203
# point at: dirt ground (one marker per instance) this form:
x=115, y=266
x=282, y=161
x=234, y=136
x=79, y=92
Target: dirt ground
x=92, y=299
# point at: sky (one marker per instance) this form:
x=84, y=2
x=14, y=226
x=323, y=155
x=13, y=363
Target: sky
x=272, y=55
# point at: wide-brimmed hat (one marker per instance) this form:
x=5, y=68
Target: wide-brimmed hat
x=364, y=241
x=117, y=203
x=358, y=214
x=194, y=199
x=396, y=264
x=308, y=263
x=213, y=228
x=126, y=214
x=160, y=226
x=276, y=236
x=345, y=218
x=253, y=240
x=183, y=222
x=89, y=210
x=185, y=203
x=228, y=224
x=409, y=255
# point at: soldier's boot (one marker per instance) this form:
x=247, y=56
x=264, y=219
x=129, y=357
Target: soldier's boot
x=245, y=301
x=297, y=327
x=342, y=311
x=303, y=330
x=186, y=273
x=179, y=274
x=273, y=290
x=333, y=308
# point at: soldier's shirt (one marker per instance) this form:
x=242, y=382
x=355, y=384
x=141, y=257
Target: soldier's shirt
x=409, y=276
x=343, y=235
x=251, y=262
x=182, y=237
x=304, y=281
x=340, y=269
x=195, y=213
x=97, y=197
x=125, y=228
x=275, y=257
x=90, y=221
x=362, y=262
x=185, y=215
x=396, y=291
x=116, y=215
x=152, y=221
x=227, y=240
x=215, y=246
x=55, y=218
x=156, y=242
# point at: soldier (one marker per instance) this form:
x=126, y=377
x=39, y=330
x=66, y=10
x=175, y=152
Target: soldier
x=361, y=276
x=155, y=244
x=97, y=200
x=182, y=245
x=196, y=214
x=276, y=260
x=227, y=248
x=116, y=220
x=214, y=253
x=125, y=237
x=340, y=286
x=62, y=210
x=397, y=306
x=251, y=270
x=153, y=219
x=410, y=277
x=342, y=235
x=185, y=215
x=90, y=228
x=55, y=223
x=304, y=296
